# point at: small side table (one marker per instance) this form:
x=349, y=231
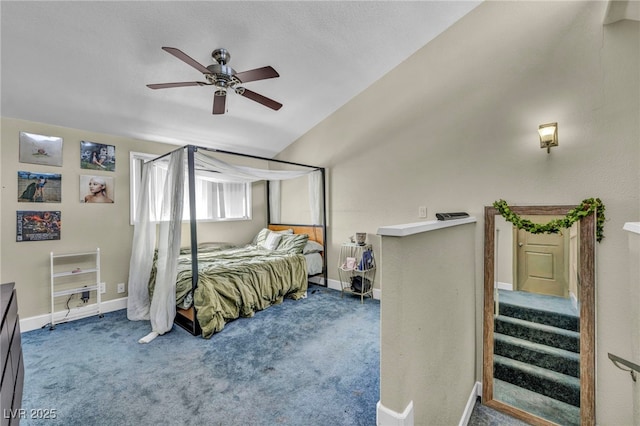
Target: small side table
x=357, y=269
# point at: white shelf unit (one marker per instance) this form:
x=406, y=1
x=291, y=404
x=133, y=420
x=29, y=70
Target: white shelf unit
x=359, y=270
x=81, y=279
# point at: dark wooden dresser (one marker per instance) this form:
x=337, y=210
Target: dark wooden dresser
x=11, y=353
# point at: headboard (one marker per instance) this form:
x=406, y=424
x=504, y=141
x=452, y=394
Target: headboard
x=315, y=232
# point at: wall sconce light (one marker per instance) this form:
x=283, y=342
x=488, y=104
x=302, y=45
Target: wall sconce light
x=548, y=135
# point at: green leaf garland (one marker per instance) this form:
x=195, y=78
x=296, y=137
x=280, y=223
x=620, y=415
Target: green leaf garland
x=585, y=208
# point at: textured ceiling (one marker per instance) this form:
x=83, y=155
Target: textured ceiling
x=85, y=64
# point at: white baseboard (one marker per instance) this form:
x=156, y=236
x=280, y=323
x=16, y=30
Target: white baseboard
x=39, y=321
x=34, y=323
x=505, y=286
x=468, y=409
x=387, y=417
x=574, y=301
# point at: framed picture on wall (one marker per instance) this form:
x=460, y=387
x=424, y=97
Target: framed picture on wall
x=37, y=225
x=39, y=187
x=97, y=189
x=40, y=149
x=97, y=156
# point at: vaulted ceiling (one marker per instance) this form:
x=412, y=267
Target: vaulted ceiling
x=86, y=65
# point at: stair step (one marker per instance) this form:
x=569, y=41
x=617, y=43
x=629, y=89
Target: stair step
x=540, y=380
x=555, y=359
x=540, y=316
x=538, y=333
x=550, y=409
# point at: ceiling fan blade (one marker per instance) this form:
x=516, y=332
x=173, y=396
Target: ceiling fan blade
x=219, y=102
x=187, y=59
x=257, y=74
x=169, y=85
x=261, y=99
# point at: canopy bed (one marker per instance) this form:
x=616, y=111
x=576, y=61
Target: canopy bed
x=205, y=285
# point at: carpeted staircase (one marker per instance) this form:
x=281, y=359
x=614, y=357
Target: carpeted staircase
x=538, y=350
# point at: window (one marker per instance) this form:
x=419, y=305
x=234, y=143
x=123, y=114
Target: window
x=215, y=201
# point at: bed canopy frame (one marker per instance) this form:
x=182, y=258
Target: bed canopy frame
x=187, y=319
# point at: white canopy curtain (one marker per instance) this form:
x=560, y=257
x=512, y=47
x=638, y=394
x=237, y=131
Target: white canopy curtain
x=316, y=197
x=275, y=209
x=161, y=309
x=167, y=191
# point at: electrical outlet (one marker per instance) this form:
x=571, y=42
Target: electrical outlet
x=103, y=288
x=422, y=211
x=121, y=288
x=85, y=296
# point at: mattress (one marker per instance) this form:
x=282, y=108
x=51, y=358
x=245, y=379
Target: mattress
x=314, y=263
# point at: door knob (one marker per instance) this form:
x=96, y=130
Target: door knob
x=520, y=244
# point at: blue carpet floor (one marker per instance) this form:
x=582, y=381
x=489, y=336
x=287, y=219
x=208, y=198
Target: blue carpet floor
x=308, y=362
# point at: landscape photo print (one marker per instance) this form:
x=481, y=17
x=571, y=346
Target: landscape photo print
x=40, y=149
x=39, y=187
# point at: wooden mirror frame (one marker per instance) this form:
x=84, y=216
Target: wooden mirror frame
x=586, y=271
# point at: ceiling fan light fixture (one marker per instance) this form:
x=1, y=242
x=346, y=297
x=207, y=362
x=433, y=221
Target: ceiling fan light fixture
x=223, y=77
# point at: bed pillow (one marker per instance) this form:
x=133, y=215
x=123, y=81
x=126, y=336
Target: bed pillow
x=261, y=236
x=312, y=247
x=293, y=243
x=271, y=242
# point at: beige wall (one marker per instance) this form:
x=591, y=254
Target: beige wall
x=454, y=128
x=84, y=226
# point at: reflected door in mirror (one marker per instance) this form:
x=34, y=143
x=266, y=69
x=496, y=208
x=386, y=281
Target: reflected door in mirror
x=541, y=266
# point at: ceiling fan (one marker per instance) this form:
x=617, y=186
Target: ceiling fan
x=224, y=78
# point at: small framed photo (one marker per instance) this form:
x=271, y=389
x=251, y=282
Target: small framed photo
x=37, y=225
x=97, y=156
x=40, y=149
x=35, y=187
x=97, y=189
x=350, y=263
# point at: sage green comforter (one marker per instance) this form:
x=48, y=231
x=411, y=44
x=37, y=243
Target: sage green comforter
x=238, y=282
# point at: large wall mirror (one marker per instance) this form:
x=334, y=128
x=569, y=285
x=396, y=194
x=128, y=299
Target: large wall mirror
x=539, y=319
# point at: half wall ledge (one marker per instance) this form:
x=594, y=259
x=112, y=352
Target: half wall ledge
x=407, y=229
x=428, y=310
x=632, y=227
